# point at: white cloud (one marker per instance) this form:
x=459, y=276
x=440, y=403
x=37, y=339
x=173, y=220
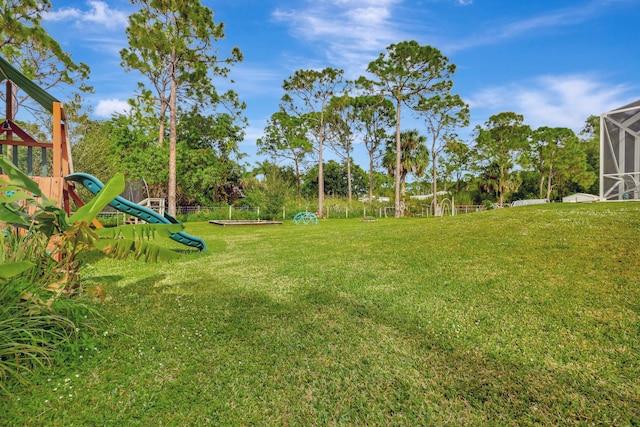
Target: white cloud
x=107, y=107
x=557, y=18
x=98, y=13
x=351, y=33
x=553, y=100
x=64, y=14
x=255, y=131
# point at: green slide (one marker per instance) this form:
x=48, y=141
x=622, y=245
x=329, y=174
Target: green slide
x=94, y=185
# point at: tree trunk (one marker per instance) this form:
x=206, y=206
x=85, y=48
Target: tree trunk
x=501, y=184
x=349, y=177
x=435, y=182
x=320, y=172
x=171, y=196
x=371, y=167
x=298, y=179
x=398, y=161
x=549, y=186
x=163, y=111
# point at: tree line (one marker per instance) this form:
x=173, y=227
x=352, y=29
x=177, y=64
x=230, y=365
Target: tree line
x=172, y=46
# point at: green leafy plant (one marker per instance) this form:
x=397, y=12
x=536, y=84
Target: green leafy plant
x=70, y=236
x=30, y=325
x=42, y=252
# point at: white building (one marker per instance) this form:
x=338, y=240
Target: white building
x=580, y=198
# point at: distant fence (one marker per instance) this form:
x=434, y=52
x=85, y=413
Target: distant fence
x=331, y=211
x=465, y=209
x=216, y=212
x=191, y=210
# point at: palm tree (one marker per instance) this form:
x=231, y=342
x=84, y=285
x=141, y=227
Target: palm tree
x=494, y=180
x=414, y=158
x=490, y=179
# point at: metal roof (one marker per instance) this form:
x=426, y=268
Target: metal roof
x=42, y=97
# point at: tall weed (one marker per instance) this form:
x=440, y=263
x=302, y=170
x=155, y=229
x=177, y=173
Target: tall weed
x=42, y=250
x=31, y=328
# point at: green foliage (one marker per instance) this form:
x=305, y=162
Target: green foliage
x=27, y=45
x=29, y=331
x=206, y=170
x=590, y=141
x=342, y=130
x=135, y=152
x=336, y=180
x=42, y=252
x=408, y=73
x=307, y=96
x=529, y=186
x=68, y=237
x=458, y=159
x=176, y=37
x=271, y=194
x=92, y=147
x=556, y=153
x=497, y=144
x=120, y=242
x=375, y=115
x=443, y=112
x=10, y=269
x=286, y=138
x=35, y=321
x=414, y=157
x=170, y=43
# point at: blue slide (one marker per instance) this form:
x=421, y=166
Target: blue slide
x=94, y=185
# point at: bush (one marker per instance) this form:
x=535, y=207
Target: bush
x=35, y=321
x=42, y=251
x=488, y=204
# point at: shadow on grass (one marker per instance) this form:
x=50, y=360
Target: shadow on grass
x=321, y=346
x=147, y=285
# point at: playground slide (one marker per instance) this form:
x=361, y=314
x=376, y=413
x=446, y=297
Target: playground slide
x=94, y=185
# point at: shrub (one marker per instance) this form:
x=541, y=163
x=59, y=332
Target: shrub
x=42, y=301
x=34, y=320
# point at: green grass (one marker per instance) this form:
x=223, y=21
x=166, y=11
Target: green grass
x=524, y=316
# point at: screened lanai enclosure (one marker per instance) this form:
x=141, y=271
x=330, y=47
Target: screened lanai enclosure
x=620, y=153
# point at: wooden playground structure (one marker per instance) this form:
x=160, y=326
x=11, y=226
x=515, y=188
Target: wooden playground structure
x=46, y=162
x=52, y=167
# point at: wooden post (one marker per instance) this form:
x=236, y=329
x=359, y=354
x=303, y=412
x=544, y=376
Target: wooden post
x=44, y=162
x=57, y=140
x=15, y=154
x=9, y=117
x=66, y=157
x=29, y=160
x=9, y=103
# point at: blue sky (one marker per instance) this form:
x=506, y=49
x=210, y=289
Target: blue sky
x=554, y=61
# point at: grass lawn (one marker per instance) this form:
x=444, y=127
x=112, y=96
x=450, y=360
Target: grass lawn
x=518, y=316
